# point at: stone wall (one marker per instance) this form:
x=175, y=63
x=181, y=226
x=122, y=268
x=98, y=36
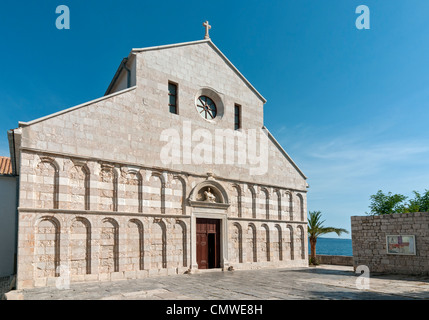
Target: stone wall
x=105, y=195
x=135, y=125
x=370, y=248
x=82, y=219
x=335, y=260
x=50, y=181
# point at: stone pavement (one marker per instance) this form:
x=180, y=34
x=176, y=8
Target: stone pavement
x=320, y=283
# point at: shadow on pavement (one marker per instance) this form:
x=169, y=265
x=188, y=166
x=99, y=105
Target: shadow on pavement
x=319, y=270
x=325, y=270
x=364, y=295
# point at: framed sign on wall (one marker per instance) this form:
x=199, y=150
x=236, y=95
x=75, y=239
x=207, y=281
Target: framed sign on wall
x=401, y=244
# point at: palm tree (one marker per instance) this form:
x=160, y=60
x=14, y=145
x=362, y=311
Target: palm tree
x=315, y=229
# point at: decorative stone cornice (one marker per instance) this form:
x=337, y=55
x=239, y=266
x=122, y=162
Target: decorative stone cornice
x=205, y=204
x=114, y=163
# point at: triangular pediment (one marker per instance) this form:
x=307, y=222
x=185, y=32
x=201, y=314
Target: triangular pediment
x=215, y=49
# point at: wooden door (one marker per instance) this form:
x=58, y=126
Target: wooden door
x=208, y=243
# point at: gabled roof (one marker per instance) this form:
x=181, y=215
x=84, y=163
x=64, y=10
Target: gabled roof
x=5, y=166
x=216, y=49
x=133, y=51
x=121, y=67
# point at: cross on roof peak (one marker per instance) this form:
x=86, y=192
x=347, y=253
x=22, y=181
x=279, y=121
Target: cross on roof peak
x=208, y=27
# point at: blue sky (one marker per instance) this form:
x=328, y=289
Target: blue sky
x=349, y=106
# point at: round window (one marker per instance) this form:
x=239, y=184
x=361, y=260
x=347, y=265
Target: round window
x=206, y=107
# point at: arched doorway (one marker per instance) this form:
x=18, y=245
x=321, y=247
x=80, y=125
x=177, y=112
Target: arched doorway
x=209, y=202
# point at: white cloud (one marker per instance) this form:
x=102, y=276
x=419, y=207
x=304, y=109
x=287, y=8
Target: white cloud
x=345, y=168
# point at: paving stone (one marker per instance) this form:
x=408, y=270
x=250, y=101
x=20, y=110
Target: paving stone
x=323, y=282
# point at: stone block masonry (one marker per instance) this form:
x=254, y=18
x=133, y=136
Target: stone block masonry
x=98, y=201
x=370, y=246
x=335, y=260
x=83, y=220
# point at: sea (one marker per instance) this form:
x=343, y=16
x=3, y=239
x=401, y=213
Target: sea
x=333, y=246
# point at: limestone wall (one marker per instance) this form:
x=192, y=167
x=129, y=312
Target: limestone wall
x=87, y=220
x=370, y=247
x=258, y=243
x=94, y=247
x=98, y=199
x=334, y=260
x=52, y=181
x=135, y=126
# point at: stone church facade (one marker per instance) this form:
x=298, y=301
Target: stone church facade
x=104, y=194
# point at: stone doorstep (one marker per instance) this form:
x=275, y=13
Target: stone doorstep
x=196, y=271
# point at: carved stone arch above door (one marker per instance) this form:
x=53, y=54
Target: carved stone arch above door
x=209, y=193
